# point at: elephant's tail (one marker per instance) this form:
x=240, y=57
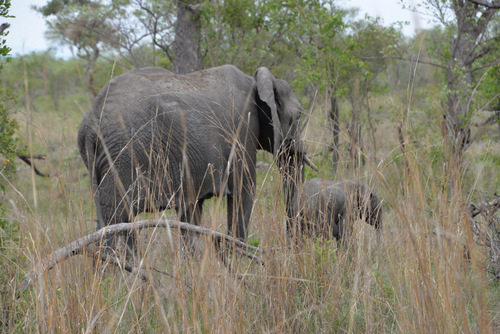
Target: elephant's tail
x=88, y=148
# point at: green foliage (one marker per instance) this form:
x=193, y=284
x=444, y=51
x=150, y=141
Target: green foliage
x=254, y=242
x=243, y=33
x=325, y=252
x=8, y=147
x=324, y=54
x=9, y=230
x=54, y=7
x=490, y=87
x=77, y=23
x=8, y=126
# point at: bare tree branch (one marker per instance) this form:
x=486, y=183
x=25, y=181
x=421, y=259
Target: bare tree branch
x=77, y=246
x=154, y=32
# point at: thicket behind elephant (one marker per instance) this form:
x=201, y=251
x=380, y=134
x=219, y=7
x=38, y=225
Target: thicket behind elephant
x=329, y=207
x=155, y=140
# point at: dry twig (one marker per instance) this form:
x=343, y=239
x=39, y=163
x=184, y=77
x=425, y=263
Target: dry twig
x=28, y=161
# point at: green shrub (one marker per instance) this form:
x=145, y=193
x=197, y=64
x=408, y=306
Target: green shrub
x=8, y=126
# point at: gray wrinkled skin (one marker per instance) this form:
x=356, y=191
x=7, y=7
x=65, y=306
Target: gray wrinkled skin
x=328, y=207
x=155, y=140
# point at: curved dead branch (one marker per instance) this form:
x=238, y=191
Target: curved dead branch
x=78, y=246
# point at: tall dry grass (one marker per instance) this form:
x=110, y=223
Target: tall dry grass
x=426, y=274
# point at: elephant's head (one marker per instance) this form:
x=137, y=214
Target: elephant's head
x=279, y=119
x=280, y=112
x=280, y=131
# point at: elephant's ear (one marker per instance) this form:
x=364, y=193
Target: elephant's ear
x=266, y=88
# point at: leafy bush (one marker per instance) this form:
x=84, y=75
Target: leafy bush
x=8, y=126
x=9, y=230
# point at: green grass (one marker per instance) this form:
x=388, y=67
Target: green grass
x=416, y=279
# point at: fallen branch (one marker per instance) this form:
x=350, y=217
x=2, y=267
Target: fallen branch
x=487, y=230
x=489, y=208
x=77, y=246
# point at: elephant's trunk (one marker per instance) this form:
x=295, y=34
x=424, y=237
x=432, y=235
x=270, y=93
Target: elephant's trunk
x=292, y=174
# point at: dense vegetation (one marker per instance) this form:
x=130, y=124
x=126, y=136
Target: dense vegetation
x=435, y=268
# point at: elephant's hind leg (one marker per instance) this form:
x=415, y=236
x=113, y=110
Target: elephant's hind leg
x=113, y=209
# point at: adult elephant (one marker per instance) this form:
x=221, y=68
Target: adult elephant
x=328, y=207
x=155, y=140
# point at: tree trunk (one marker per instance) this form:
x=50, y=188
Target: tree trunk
x=187, y=37
x=372, y=126
x=465, y=49
x=356, y=143
x=334, y=116
x=91, y=58
x=355, y=126
x=355, y=134
x=457, y=109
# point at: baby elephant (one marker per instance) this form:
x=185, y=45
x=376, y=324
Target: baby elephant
x=329, y=207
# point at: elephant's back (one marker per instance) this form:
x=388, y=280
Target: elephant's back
x=311, y=197
x=322, y=194
x=315, y=187
x=213, y=83
x=146, y=92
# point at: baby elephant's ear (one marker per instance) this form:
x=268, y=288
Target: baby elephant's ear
x=266, y=85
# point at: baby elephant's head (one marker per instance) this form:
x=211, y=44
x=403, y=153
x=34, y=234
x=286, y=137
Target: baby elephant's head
x=371, y=206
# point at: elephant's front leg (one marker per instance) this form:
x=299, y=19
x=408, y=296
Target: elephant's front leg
x=240, y=203
x=239, y=209
x=242, y=188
